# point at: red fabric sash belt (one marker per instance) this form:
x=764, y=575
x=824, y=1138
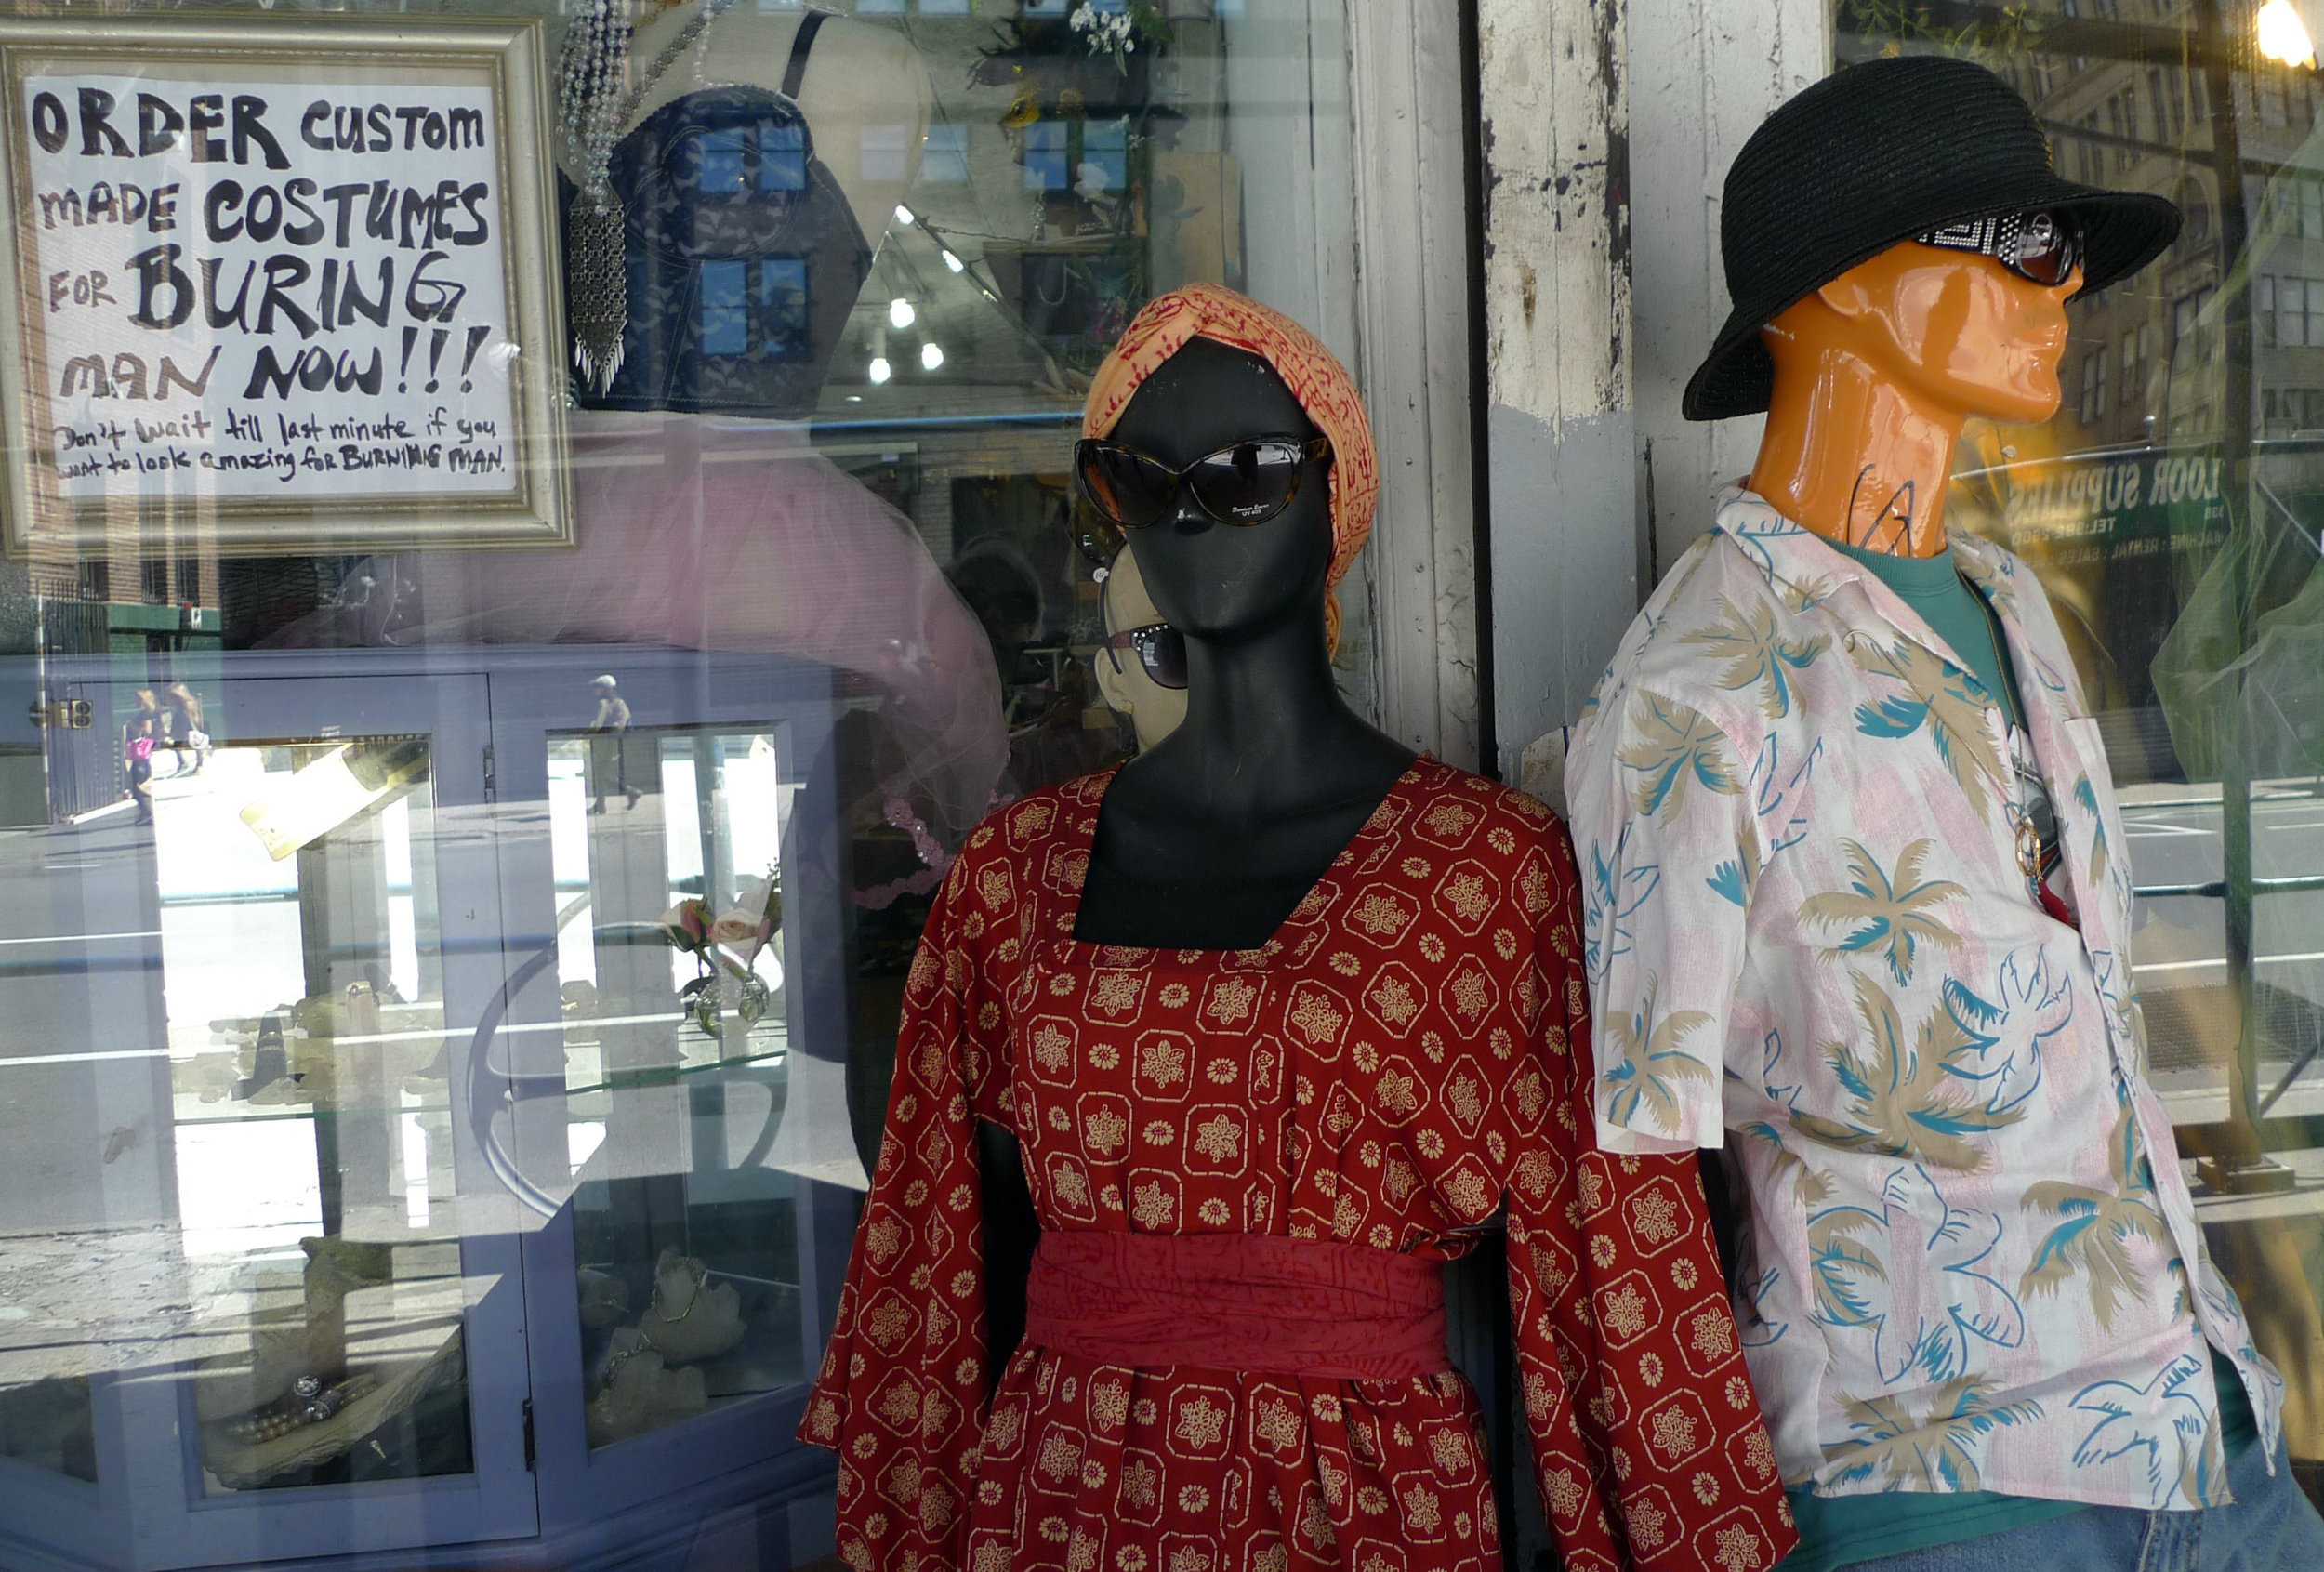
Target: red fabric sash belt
x=1238, y=1302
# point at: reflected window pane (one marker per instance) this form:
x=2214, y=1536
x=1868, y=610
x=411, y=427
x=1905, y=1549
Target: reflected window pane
x=725, y=317
x=1044, y=156
x=723, y=154
x=882, y=152
x=945, y=156
x=782, y=158
x=1105, y=156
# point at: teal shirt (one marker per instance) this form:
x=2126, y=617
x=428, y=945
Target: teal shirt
x=1934, y=588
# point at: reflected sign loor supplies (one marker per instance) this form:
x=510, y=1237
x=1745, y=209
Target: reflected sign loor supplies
x=279, y=287
x=2117, y=536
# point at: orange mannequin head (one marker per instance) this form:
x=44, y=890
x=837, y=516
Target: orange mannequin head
x=1875, y=373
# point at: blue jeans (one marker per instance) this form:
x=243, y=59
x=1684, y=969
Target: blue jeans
x=2270, y=1529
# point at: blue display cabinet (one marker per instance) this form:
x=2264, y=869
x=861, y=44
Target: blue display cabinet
x=426, y=1138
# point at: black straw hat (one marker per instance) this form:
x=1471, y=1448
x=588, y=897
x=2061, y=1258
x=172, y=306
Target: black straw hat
x=1872, y=156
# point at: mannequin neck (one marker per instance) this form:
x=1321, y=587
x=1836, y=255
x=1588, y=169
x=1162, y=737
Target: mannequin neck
x=1853, y=455
x=1208, y=840
x=1266, y=726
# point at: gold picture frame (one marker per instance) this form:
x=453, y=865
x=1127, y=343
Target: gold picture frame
x=265, y=362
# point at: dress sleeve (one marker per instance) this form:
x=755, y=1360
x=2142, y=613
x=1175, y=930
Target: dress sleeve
x=902, y=1394
x=1647, y=1442
x=1670, y=852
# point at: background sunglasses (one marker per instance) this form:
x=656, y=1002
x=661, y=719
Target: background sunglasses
x=1161, y=650
x=1098, y=538
x=2045, y=248
x=1242, y=484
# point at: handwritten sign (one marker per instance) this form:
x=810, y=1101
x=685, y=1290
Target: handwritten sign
x=302, y=278
x=250, y=289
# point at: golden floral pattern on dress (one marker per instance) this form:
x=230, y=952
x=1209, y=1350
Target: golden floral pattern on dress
x=1276, y=1092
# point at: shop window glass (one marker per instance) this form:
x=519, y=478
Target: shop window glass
x=449, y=981
x=2176, y=529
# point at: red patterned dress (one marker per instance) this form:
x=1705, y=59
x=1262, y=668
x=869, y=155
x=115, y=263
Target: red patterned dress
x=1405, y=1056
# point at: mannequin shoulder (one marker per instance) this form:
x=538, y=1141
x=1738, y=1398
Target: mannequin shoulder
x=2012, y=583
x=1456, y=809
x=1029, y=830
x=1714, y=581
x=1718, y=607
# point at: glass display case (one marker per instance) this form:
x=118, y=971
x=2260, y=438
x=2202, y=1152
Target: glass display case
x=669, y=1073
x=474, y=1161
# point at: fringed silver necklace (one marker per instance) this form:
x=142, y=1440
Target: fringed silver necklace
x=592, y=109
x=589, y=102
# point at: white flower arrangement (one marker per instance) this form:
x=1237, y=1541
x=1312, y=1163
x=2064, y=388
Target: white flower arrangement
x=1111, y=28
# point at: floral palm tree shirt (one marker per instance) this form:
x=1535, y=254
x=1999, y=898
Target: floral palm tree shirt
x=1971, y=1259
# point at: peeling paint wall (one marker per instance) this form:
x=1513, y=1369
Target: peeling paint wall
x=1707, y=75
x=1556, y=160
x=1607, y=128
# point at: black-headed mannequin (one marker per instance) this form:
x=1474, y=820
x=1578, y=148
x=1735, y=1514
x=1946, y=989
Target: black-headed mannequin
x=1208, y=841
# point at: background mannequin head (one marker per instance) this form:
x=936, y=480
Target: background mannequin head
x=1154, y=712
x=1212, y=581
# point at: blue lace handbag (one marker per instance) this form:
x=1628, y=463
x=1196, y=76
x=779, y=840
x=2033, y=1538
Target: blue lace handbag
x=742, y=257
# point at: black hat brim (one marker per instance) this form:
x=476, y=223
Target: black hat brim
x=2122, y=233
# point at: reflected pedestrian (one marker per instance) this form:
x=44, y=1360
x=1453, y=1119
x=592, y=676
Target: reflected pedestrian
x=608, y=754
x=139, y=735
x=184, y=707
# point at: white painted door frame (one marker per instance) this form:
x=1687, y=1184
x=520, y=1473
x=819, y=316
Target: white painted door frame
x=1414, y=250
x=1607, y=128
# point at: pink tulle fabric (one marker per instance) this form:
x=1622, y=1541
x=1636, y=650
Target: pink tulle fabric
x=710, y=534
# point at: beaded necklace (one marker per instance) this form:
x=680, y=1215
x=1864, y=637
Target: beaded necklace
x=591, y=110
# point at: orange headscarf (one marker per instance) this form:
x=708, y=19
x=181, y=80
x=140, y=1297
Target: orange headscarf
x=1313, y=374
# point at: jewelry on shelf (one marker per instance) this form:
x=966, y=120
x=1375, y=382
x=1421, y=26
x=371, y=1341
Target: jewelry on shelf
x=312, y=1400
